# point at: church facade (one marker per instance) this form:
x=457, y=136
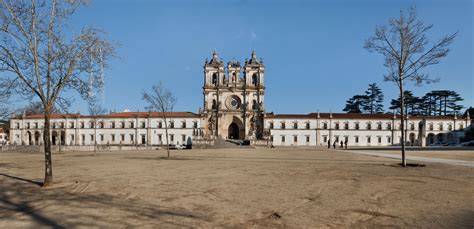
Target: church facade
x=234, y=108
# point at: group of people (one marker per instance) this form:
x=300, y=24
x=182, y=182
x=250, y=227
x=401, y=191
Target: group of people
x=342, y=146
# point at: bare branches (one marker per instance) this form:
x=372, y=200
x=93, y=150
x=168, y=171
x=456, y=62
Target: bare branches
x=403, y=46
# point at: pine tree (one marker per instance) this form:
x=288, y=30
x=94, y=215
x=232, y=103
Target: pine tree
x=355, y=104
x=374, y=102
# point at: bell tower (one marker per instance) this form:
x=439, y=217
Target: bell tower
x=254, y=72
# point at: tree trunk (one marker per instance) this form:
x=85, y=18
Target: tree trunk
x=167, y=141
x=48, y=171
x=402, y=123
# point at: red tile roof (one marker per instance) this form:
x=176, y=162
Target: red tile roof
x=119, y=115
x=350, y=116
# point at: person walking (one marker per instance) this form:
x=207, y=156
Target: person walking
x=342, y=145
x=329, y=144
x=334, y=144
x=345, y=143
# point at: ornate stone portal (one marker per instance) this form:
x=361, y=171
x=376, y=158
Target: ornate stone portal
x=233, y=100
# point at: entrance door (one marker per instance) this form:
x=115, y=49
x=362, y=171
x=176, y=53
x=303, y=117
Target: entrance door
x=233, y=131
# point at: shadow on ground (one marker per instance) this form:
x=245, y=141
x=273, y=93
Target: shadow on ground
x=38, y=207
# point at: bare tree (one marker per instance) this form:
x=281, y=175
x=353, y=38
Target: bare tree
x=403, y=43
x=162, y=100
x=42, y=57
x=95, y=109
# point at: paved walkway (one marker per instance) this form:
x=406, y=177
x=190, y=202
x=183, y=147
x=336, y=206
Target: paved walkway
x=414, y=158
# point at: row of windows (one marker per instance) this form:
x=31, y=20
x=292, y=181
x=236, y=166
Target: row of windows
x=336, y=139
x=255, y=79
x=101, y=137
x=101, y=124
x=368, y=126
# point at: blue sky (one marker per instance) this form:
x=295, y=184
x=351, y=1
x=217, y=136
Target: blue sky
x=313, y=50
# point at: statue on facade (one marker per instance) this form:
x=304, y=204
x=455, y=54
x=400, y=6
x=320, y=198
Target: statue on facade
x=212, y=124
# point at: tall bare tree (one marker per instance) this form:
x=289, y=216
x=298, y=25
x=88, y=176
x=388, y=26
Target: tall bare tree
x=404, y=45
x=42, y=57
x=162, y=100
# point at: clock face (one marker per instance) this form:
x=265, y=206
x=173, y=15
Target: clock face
x=233, y=103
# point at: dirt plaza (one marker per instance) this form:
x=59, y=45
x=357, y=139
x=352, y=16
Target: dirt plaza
x=236, y=188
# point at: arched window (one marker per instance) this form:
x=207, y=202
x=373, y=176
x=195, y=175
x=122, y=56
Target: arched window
x=254, y=79
x=234, y=77
x=214, y=79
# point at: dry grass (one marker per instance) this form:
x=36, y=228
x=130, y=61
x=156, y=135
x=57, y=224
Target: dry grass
x=274, y=188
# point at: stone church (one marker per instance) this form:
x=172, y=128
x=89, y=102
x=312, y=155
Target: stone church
x=233, y=98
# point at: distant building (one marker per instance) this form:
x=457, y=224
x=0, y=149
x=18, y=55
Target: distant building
x=233, y=108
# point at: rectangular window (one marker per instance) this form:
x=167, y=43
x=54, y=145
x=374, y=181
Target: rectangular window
x=171, y=137
x=271, y=125
x=412, y=126
x=282, y=138
x=54, y=125
x=346, y=126
x=325, y=126
x=357, y=126
x=160, y=125
x=431, y=126
x=113, y=124
x=337, y=126
x=307, y=126
x=143, y=124
x=282, y=125
x=123, y=124
x=171, y=124
x=388, y=139
x=389, y=126
x=450, y=127
x=113, y=137
x=379, y=139
x=131, y=138
x=122, y=136
x=295, y=125
x=91, y=124
x=160, y=138
x=143, y=139
x=440, y=126
x=83, y=136
x=132, y=125
x=17, y=125
x=72, y=138
x=101, y=137
x=368, y=139
x=71, y=124
x=307, y=138
x=195, y=125
x=369, y=126
x=325, y=138
x=379, y=126
x=356, y=139
x=27, y=125
x=92, y=137
x=183, y=138
x=295, y=138
x=183, y=124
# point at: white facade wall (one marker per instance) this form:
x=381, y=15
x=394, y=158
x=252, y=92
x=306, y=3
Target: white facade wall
x=361, y=132
x=84, y=131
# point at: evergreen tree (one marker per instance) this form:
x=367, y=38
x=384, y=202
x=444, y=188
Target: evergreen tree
x=355, y=104
x=374, y=99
